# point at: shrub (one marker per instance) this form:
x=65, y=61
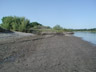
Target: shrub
x=57, y=27
x=15, y=23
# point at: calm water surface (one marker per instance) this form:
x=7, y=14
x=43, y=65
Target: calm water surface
x=88, y=36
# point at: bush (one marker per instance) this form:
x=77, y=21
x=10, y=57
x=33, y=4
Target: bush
x=15, y=23
x=57, y=27
x=1, y=30
x=35, y=24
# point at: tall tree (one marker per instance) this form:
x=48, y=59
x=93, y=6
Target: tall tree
x=15, y=23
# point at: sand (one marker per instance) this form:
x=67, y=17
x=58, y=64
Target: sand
x=57, y=53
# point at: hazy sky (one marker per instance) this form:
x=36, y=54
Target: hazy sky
x=67, y=13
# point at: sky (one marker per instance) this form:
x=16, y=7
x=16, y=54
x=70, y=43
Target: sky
x=74, y=14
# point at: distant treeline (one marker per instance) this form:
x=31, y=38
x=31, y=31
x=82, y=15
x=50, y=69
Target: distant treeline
x=14, y=23
x=21, y=24
x=93, y=29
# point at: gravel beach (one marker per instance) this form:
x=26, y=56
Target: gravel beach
x=13, y=35
x=57, y=53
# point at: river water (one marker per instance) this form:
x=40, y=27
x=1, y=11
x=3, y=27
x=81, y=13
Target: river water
x=88, y=36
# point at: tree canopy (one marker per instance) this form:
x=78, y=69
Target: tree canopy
x=15, y=23
x=57, y=27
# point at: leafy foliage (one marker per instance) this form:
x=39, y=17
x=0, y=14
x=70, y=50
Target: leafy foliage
x=35, y=25
x=57, y=27
x=91, y=30
x=22, y=24
x=15, y=23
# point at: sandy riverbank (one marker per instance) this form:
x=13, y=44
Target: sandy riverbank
x=13, y=36
x=47, y=54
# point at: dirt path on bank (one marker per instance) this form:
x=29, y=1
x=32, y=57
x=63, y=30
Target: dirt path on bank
x=48, y=54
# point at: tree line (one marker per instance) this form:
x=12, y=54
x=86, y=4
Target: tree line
x=22, y=24
x=15, y=23
x=92, y=29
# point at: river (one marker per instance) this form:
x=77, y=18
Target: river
x=88, y=36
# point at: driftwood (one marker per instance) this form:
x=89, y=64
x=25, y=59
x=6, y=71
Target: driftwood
x=56, y=33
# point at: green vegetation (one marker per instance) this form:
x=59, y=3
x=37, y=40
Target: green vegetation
x=89, y=30
x=57, y=27
x=18, y=24
x=35, y=25
x=14, y=23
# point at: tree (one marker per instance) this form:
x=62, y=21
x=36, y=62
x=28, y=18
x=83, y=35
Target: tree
x=14, y=26
x=6, y=22
x=57, y=27
x=24, y=24
x=35, y=24
x=15, y=23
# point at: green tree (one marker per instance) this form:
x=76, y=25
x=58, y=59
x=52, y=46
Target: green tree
x=57, y=27
x=15, y=23
x=14, y=26
x=24, y=24
x=6, y=22
x=35, y=24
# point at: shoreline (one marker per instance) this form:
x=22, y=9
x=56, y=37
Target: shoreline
x=86, y=41
x=47, y=53
x=20, y=35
